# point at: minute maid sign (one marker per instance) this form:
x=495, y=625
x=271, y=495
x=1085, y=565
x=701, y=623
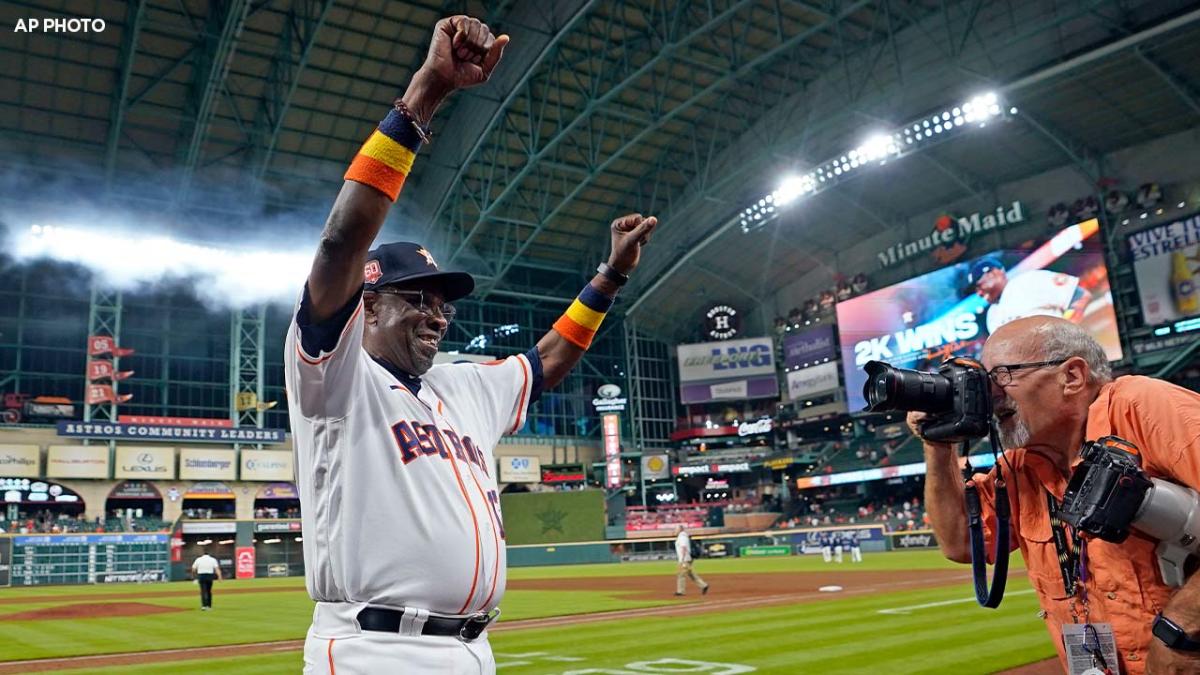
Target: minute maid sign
x=950, y=237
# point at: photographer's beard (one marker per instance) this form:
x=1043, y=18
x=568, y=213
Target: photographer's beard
x=1014, y=432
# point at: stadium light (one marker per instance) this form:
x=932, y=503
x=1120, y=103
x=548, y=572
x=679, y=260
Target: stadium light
x=878, y=148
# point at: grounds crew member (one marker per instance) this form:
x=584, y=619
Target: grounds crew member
x=683, y=554
x=206, y=569
x=1052, y=390
x=403, y=537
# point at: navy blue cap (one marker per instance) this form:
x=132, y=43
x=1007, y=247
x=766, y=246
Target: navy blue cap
x=981, y=267
x=404, y=261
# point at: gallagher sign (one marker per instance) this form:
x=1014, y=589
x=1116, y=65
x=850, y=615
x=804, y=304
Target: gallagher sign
x=950, y=236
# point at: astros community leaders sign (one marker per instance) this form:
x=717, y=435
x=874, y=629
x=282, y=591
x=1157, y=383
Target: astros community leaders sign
x=74, y=429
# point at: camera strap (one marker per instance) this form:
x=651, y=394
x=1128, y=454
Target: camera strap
x=985, y=596
x=1068, y=548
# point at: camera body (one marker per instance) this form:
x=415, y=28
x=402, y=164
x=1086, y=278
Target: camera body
x=1106, y=490
x=1109, y=495
x=957, y=397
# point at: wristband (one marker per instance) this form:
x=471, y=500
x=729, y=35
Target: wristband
x=578, y=325
x=613, y=275
x=387, y=156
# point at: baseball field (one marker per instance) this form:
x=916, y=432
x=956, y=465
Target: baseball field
x=902, y=612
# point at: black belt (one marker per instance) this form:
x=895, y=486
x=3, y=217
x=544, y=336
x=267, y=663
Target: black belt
x=466, y=629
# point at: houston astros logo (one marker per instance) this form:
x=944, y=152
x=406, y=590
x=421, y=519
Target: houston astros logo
x=371, y=271
x=428, y=257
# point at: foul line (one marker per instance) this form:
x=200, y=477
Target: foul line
x=908, y=609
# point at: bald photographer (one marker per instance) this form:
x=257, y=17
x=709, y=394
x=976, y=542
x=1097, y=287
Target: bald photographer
x=1053, y=397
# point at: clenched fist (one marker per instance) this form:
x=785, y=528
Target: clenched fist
x=629, y=234
x=463, y=52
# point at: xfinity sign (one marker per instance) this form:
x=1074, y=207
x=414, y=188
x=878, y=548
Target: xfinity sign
x=950, y=236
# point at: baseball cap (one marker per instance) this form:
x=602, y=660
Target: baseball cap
x=983, y=266
x=403, y=261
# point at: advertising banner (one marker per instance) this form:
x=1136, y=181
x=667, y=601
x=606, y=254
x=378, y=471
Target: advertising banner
x=288, y=526
x=278, y=491
x=610, y=427
x=519, y=469
x=914, y=539
x=209, y=528
x=277, y=570
x=245, y=562
x=269, y=465
x=1166, y=263
x=703, y=469
x=77, y=461
x=175, y=421
x=951, y=311
x=809, y=382
x=763, y=551
x=715, y=549
x=765, y=386
x=207, y=464
x=135, y=489
x=808, y=346
x=655, y=467
x=164, y=432
x=20, y=461
x=808, y=539
x=728, y=360
x=144, y=462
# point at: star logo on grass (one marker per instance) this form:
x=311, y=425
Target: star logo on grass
x=552, y=519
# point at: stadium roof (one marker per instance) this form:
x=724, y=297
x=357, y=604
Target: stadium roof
x=686, y=110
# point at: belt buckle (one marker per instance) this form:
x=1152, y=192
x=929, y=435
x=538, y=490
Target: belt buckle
x=474, y=625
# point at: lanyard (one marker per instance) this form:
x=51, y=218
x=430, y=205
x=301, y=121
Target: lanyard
x=1068, y=549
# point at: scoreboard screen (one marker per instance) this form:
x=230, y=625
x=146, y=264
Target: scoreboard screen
x=88, y=559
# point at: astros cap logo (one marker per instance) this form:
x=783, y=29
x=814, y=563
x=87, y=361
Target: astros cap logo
x=428, y=257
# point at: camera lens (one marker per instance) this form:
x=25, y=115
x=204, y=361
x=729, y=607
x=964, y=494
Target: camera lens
x=889, y=388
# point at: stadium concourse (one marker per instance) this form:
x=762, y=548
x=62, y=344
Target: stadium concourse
x=835, y=182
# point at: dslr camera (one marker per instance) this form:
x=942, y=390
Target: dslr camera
x=1109, y=494
x=957, y=397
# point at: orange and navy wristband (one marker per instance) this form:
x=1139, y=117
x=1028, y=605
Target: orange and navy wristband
x=582, y=319
x=386, y=158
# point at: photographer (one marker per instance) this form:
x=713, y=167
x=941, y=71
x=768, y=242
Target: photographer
x=1052, y=390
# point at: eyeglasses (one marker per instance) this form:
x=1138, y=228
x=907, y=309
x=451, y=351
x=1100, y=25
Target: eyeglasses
x=417, y=300
x=1002, y=375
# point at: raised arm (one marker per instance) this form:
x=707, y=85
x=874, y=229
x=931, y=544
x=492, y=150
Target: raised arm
x=462, y=53
x=945, y=500
x=565, y=345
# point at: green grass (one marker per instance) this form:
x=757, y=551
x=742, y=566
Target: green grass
x=841, y=635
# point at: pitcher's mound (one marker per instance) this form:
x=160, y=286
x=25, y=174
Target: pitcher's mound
x=91, y=610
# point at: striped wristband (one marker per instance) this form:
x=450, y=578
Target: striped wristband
x=387, y=156
x=582, y=319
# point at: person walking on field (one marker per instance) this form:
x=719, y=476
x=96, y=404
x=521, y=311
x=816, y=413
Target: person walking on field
x=206, y=569
x=683, y=552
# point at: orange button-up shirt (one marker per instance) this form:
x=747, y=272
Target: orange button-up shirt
x=1123, y=583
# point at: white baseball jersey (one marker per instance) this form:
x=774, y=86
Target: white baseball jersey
x=398, y=489
x=683, y=547
x=1032, y=293
x=205, y=564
